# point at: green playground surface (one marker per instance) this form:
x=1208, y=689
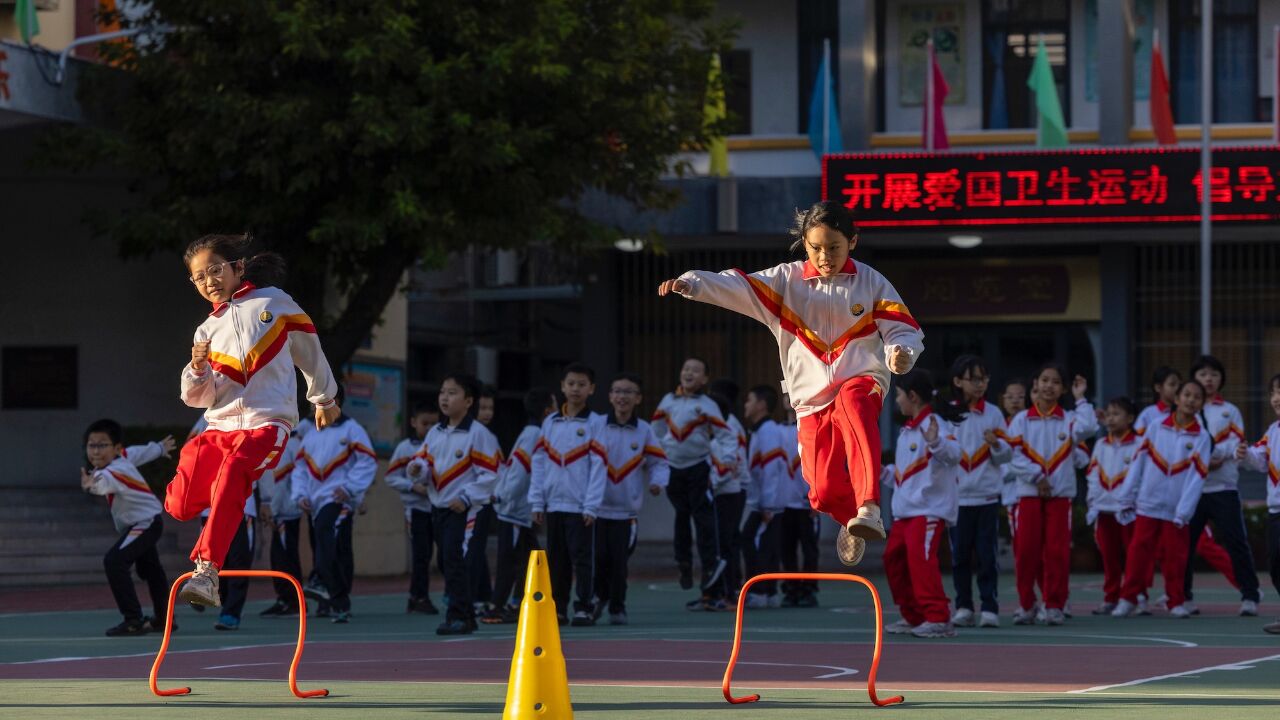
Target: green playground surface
x=667, y=663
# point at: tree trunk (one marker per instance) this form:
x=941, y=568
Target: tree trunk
x=366, y=303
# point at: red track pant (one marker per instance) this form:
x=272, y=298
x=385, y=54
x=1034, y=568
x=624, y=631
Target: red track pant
x=911, y=562
x=1042, y=550
x=1212, y=553
x=1172, y=543
x=1113, y=542
x=216, y=471
x=840, y=450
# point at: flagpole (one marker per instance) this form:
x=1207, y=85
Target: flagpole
x=1039, y=118
x=826, y=95
x=928, y=97
x=1275, y=84
x=1206, y=171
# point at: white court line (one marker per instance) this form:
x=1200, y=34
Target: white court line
x=145, y=654
x=1240, y=665
x=837, y=670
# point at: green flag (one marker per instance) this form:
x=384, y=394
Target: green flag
x=25, y=16
x=714, y=112
x=1053, y=128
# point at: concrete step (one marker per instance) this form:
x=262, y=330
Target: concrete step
x=21, y=580
x=74, y=544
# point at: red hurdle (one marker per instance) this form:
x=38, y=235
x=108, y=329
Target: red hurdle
x=737, y=633
x=297, y=653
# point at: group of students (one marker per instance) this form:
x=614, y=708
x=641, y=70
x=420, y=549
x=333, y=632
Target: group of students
x=1155, y=479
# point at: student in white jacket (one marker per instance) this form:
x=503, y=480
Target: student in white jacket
x=1165, y=480
x=1264, y=457
x=925, y=502
x=729, y=495
x=770, y=472
x=282, y=514
x=1044, y=438
x=333, y=471
x=417, y=508
x=1107, y=500
x=136, y=512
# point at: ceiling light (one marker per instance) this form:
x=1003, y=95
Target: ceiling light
x=965, y=242
x=629, y=244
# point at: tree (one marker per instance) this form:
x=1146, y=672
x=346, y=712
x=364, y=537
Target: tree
x=359, y=137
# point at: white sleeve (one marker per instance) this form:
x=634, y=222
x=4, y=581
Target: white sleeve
x=308, y=356
x=756, y=295
x=143, y=454
x=894, y=322
x=364, y=462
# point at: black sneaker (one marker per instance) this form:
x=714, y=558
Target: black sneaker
x=582, y=618
x=129, y=628
x=501, y=616
x=197, y=608
x=277, y=609
x=423, y=606
x=790, y=601
x=562, y=620
x=697, y=605
x=155, y=625
x=323, y=610
x=342, y=617
x=807, y=601
x=714, y=576
x=316, y=591
x=686, y=576
x=455, y=627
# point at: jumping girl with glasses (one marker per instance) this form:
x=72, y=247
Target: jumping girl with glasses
x=242, y=373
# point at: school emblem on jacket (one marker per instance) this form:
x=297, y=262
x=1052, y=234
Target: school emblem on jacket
x=1226, y=414
x=1187, y=446
x=857, y=310
x=457, y=454
x=266, y=316
x=581, y=432
x=913, y=447
x=1062, y=436
x=635, y=446
x=344, y=441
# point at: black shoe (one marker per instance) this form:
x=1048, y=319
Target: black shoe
x=423, y=606
x=342, y=617
x=790, y=601
x=807, y=601
x=562, y=620
x=455, y=627
x=582, y=618
x=277, y=609
x=697, y=605
x=686, y=576
x=316, y=591
x=129, y=628
x=197, y=608
x=324, y=610
x=155, y=625
x=501, y=616
x=714, y=576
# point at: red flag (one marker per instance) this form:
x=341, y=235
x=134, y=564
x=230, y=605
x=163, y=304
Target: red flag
x=935, y=95
x=1158, y=104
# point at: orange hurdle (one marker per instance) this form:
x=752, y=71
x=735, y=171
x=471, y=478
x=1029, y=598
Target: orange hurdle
x=297, y=653
x=737, y=633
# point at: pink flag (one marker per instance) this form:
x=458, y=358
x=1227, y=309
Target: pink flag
x=934, y=128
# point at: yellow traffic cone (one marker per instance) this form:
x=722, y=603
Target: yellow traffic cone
x=538, y=686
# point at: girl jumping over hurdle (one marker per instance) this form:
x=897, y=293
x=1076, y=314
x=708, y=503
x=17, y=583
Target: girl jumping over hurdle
x=841, y=330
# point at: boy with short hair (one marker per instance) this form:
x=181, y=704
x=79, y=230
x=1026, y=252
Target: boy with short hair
x=516, y=538
x=634, y=462
x=693, y=433
x=417, y=508
x=333, y=471
x=1264, y=457
x=458, y=464
x=136, y=511
x=566, y=488
x=770, y=470
x=486, y=518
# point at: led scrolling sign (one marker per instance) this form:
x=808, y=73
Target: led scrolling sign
x=1070, y=187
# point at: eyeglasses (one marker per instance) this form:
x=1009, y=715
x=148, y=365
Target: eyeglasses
x=98, y=446
x=213, y=271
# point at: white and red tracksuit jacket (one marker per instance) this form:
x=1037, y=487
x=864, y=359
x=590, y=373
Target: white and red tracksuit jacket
x=512, y=488
x=829, y=330
x=256, y=340
x=1044, y=447
x=128, y=494
x=795, y=491
x=457, y=463
x=275, y=486
x=770, y=468
x=569, y=467
x=1264, y=456
x=924, y=476
x=339, y=456
x=1226, y=425
x=1106, y=473
x=729, y=480
x=397, y=475
x=692, y=431
x=1151, y=415
x=633, y=462
x=979, y=470
x=1167, y=474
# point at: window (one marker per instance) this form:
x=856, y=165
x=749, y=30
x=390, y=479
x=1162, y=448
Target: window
x=1235, y=61
x=816, y=20
x=1011, y=32
x=38, y=378
x=736, y=65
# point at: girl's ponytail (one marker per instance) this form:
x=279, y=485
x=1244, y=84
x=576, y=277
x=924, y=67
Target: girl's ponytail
x=265, y=269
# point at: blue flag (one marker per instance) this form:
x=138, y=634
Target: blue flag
x=824, y=117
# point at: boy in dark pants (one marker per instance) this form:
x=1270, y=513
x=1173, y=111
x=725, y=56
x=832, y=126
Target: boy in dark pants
x=799, y=526
x=1265, y=457
x=566, y=488
x=283, y=516
x=458, y=465
x=136, y=511
x=770, y=470
x=634, y=462
x=729, y=494
x=486, y=519
x=693, y=433
x=417, y=508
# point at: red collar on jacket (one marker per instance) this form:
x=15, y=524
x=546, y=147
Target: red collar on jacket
x=914, y=422
x=1161, y=406
x=1193, y=428
x=811, y=272
x=681, y=393
x=1125, y=439
x=1217, y=400
x=1033, y=412
x=245, y=287
x=980, y=406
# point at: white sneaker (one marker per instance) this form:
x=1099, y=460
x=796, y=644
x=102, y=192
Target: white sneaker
x=1123, y=609
x=1024, y=616
x=1054, y=616
x=963, y=617
x=202, y=588
x=902, y=627
x=756, y=601
x=1066, y=609
x=1104, y=608
x=1142, y=608
x=1181, y=612
x=934, y=630
x=1161, y=603
x=988, y=620
x=1191, y=607
x=1041, y=616
x=1248, y=608
x=849, y=548
x=775, y=600
x=867, y=525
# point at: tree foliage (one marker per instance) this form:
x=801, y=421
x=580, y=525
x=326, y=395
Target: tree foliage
x=359, y=137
